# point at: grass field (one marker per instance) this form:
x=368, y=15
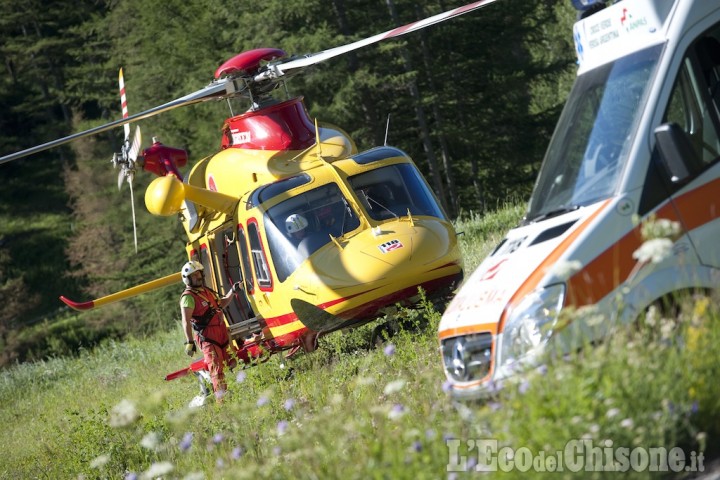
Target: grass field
x=353, y=410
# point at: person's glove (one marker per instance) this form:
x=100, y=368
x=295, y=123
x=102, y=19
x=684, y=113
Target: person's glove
x=190, y=348
x=237, y=286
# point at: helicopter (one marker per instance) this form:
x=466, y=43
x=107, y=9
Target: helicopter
x=321, y=236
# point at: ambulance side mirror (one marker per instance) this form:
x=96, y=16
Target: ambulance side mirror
x=677, y=154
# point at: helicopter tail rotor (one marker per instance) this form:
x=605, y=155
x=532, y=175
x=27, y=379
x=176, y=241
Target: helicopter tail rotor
x=126, y=159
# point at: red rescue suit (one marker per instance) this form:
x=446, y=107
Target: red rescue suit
x=211, y=334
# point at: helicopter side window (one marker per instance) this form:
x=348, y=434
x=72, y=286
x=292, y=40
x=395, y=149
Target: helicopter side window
x=262, y=272
x=242, y=243
x=299, y=226
x=391, y=191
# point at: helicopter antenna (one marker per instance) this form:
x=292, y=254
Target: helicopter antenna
x=387, y=129
x=317, y=140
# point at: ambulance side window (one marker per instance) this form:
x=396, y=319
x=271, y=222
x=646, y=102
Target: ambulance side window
x=695, y=99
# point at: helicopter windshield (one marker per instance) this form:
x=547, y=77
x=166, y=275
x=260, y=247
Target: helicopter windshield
x=390, y=192
x=300, y=225
x=589, y=149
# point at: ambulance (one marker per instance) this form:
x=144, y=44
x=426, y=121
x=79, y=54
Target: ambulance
x=637, y=145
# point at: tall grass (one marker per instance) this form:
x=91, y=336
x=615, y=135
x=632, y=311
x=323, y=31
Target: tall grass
x=354, y=410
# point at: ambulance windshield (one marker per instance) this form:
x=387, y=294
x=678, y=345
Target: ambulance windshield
x=588, y=152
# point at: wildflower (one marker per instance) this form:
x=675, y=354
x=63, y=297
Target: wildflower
x=627, y=423
x=394, y=387
x=218, y=438
x=695, y=407
x=150, y=441
x=594, y=428
x=416, y=446
x=566, y=269
x=186, y=441
x=447, y=386
x=430, y=433
x=157, y=470
x=654, y=251
x=241, y=376
x=100, y=461
x=523, y=387
x=660, y=228
x=613, y=412
x=542, y=369
x=397, y=411
x=237, y=453
x=389, y=349
x=495, y=406
x=219, y=463
x=289, y=404
x=263, y=400
x=471, y=463
x=277, y=451
x=282, y=427
x=123, y=414
x=131, y=476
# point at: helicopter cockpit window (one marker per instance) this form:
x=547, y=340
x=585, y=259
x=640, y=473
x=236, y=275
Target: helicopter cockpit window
x=378, y=153
x=392, y=191
x=267, y=192
x=300, y=225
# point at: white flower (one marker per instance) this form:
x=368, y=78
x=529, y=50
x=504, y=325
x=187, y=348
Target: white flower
x=613, y=412
x=394, y=387
x=627, y=423
x=123, y=414
x=157, y=470
x=151, y=441
x=655, y=250
x=99, y=462
x=661, y=228
x=566, y=269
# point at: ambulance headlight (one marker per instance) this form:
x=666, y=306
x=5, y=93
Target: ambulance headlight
x=531, y=323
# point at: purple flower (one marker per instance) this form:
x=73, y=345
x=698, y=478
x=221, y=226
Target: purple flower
x=447, y=386
x=131, y=476
x=430, y=433
x=263, y=400
x=523, y=387
x=389, y=349
x=289, y=404
x=219, y=463
x=542, y=369
x=417, y=446
x=471, y=463
x=237, y=453
x=695, y=407
x=282, y=427
x=241, y=376
x=186, y=441
x=448, y=436
x=277, y=451
x=217, y=438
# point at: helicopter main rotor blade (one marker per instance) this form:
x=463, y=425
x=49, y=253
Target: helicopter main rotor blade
x=214, y=90
x=124, y=294
x=313, y=58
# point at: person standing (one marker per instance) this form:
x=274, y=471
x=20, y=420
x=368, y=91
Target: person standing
x=203, y=323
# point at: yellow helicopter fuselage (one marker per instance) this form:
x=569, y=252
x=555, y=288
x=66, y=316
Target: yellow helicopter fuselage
x=374, y=235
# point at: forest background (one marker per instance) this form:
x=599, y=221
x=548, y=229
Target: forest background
x=473, y=100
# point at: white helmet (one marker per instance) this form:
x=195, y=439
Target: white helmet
x=189, y=268
x=295, y=223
